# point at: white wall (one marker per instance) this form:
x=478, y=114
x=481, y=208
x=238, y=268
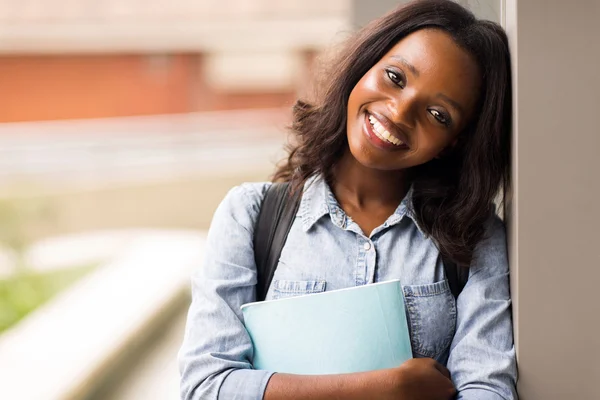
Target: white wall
x=555, y=218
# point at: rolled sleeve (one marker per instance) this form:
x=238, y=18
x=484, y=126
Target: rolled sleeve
x=215, y=360
x=482, y=355
x=245, y=384
x=479, y=394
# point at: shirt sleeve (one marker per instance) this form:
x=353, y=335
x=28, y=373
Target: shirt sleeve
x=215, y=358
x=482, y=355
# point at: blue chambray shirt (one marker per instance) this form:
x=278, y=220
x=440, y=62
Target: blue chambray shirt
x=326, y=250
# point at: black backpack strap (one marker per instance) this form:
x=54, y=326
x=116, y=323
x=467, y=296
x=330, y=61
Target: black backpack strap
x=275, y=219
x=457, y=276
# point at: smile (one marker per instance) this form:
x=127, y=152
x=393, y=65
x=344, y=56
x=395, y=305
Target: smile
x=377, y=131
x=383, y=133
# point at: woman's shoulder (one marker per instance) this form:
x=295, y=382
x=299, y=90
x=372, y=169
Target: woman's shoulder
x=242, y=203
x=249, y=193
x=495, y=230
x=491, y=252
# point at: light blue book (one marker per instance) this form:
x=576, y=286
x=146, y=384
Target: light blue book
x=349, y=330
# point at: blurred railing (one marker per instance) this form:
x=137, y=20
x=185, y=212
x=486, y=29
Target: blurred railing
x=125, y=149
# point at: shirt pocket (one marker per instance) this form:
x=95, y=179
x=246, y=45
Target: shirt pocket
x=431, y=311
x=286, y=288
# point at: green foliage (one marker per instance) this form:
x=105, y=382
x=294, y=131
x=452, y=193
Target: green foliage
x=23, y=292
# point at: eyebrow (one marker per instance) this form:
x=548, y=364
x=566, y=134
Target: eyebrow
x=452, y=102
x=407, y=64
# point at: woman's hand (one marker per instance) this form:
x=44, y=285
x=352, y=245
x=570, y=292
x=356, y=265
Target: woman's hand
x=416, y=379
x=420, y=379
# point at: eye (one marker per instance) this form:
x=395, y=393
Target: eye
x=396, y=77
x=441, y=117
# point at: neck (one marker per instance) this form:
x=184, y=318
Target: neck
x=364, y=187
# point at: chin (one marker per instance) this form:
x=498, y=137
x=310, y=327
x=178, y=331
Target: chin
x=365, y=157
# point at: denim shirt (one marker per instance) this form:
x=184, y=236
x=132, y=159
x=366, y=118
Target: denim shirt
x=326, y=250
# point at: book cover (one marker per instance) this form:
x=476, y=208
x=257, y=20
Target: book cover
x=356, y=329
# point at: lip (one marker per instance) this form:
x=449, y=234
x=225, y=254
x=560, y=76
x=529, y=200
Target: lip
x=391, y=128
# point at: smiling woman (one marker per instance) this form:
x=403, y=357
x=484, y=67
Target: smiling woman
x=396, y=165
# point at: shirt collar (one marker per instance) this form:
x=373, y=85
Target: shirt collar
x=313, y=205
x=318, y=200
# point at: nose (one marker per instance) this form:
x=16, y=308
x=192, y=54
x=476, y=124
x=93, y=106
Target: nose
x=402, y=108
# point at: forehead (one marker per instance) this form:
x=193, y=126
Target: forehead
x=441, y=64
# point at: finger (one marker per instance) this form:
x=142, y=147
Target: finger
x=452, y=393
x=442, y=369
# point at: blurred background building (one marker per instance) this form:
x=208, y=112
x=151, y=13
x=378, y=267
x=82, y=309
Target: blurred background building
x=65, y=59
x=102, y=100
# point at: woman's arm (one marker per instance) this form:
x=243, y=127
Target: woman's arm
x=482, y=355
x=357, y=386
x=416, y=379
x=215, y=358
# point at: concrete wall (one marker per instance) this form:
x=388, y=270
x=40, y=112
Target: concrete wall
x=363, y=10
x=555, y=216
x=150, y=25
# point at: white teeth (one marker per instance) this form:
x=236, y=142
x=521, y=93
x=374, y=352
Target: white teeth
x=382, y=133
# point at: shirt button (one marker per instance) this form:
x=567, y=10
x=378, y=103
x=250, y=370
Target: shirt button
x=367, y=246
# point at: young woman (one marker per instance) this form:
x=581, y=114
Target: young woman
x=399, y=162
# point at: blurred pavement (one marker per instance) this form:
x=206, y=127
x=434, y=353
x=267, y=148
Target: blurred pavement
x=155, y=374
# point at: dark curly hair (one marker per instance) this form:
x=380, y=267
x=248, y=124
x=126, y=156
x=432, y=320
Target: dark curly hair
x=453, y=195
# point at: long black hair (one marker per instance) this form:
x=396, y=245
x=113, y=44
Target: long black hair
x=453, y=195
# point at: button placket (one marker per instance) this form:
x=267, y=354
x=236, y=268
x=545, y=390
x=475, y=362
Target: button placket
x=362, y=268
x=370, y=261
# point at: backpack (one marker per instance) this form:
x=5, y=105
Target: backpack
x=275, y=219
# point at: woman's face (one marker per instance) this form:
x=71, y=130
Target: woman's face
x=413, y=103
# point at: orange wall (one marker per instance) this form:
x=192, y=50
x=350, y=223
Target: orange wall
x=95, y=86
x=57, y=87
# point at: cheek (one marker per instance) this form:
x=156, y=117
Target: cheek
x=369, y=83
x=431, y=145
x=365, y=91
